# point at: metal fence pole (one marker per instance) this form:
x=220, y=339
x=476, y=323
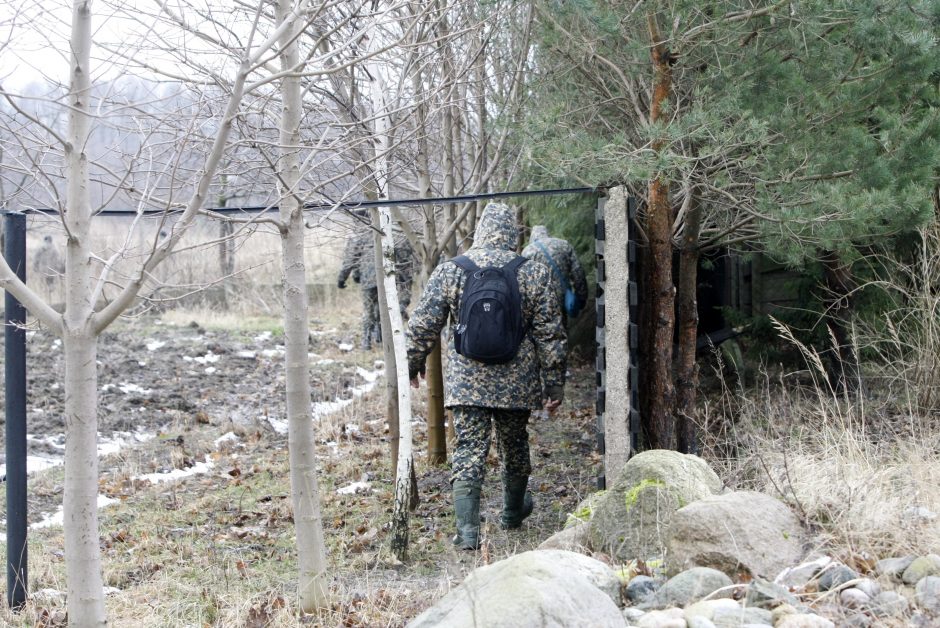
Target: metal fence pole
x=14, y=251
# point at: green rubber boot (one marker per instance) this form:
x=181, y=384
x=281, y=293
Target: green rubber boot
x=517, y=501
x=467, y=509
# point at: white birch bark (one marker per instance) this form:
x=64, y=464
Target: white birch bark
x=305, y=493
x=405, y=466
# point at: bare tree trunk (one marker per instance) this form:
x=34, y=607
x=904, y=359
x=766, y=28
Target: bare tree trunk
x=394, y=334
x=313, y=591
x=686, y=368
x=80, y=502
x=437, y=442
x=661, y=392
x=844, y=374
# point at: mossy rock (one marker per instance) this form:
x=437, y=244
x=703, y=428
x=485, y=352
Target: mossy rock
x=631, y=518
x=585, y=510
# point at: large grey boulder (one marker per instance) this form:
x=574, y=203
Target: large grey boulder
x=541, y=588
x=928, y=594
x=631, y=519
x=741, y=533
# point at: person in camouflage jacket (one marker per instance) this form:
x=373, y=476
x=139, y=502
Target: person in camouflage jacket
x=484, y=395
x=565, y=259
x=359, y=262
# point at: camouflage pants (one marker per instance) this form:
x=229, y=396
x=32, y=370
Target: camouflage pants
x=472, y=426
x=371, y=317
x=370, y=313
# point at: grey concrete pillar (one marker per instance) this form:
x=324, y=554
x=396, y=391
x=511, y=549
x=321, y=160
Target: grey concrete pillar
x=617, y=298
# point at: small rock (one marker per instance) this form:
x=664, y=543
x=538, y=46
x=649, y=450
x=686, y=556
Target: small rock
x=632, y=615
x=857, y=620
x=804, y=620
x=893, y=567
x=768, y=595
x=640, y=587
x=869, y=587
x=670, y=618
x=927, y=594
x=700, y=622
x=889, y=604
x=689, y=586
x=919, y=514
x=797, y=577
x=835, y=576
x=921, y=620
x=708, y=608
x=782, y=611
x=922, y=567
x=728, y=618
x=854, y=598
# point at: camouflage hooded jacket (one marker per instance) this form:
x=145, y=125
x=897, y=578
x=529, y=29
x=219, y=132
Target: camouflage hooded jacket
x=359, y=260
x=565, y=259
x=540, y=363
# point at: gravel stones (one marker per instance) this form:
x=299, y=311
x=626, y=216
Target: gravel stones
x=893, y=567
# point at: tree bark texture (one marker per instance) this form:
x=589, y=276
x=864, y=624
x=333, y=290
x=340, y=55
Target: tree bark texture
x=661, y=392
x=313, y=590
x=844, y=374
x=686, y=367
x=85, y=586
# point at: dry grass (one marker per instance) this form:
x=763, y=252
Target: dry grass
x=858, y=468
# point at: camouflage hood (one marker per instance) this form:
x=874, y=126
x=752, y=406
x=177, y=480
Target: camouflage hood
x=496, y=228
x=539, y=232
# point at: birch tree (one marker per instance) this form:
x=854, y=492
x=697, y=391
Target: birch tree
x=86, y=276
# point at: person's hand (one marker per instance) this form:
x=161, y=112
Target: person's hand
x=552, y=397
x=415, y=383
x=341, y=284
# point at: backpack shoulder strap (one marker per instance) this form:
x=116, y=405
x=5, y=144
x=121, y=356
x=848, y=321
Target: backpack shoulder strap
x=514, y=265
x=465, y=263
x=551, y=262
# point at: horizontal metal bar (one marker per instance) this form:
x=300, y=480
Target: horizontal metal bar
x=348, y=205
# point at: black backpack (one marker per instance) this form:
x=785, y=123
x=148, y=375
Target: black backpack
x=490, y=327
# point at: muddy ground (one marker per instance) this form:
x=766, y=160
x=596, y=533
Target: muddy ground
x=169, y=392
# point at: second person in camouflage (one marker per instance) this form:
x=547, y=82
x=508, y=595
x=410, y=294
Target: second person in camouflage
x=566, y=261
x=485, y=395
x=359, y=262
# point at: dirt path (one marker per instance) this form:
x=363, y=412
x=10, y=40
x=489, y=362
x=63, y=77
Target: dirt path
x=214, y=547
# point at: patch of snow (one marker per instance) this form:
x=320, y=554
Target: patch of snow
x=210, y=370
x=379, y=365
x=178, y=474
x=57, y=518
x=248, y=355
x=128, y=389
x=141, y=363
x=153, y=345
x=322, y=332
x=354, y=488
x=111, y=590
x=352, y=428
x=920, y=513
x=57, y=343
x=263, y=336
x=273, y=353
x=369, y=376
x=279, y=426
x=34, y=464
x=325, y=362
x=55, y=386
x=228, y=437
x=208, y=358
x=345, y=346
